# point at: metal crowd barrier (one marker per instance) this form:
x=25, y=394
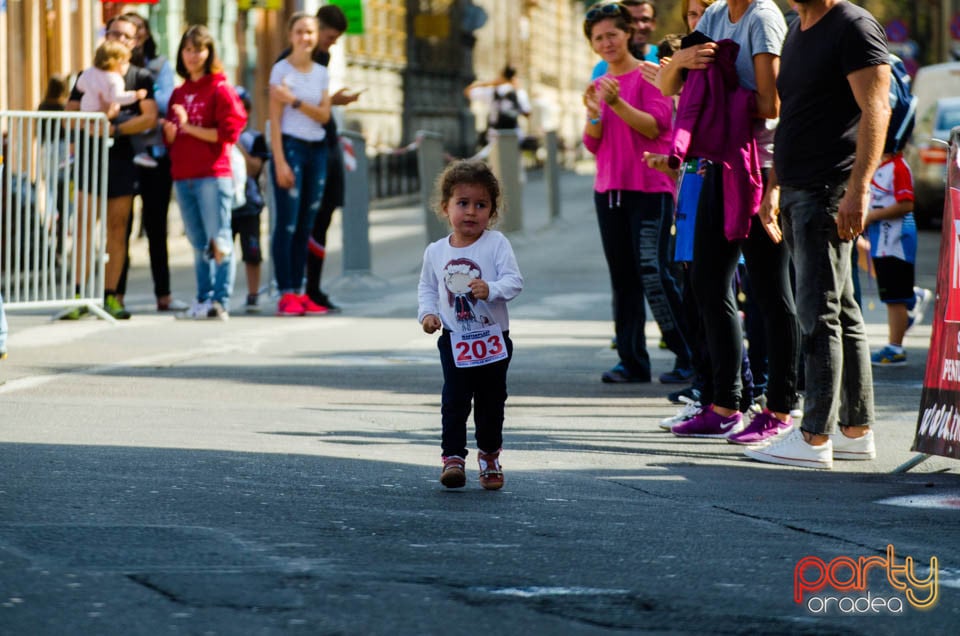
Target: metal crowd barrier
x=53, y=203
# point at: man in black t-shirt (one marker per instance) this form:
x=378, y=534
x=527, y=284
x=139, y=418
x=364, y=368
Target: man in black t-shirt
x=834, y=84
x=121, y=173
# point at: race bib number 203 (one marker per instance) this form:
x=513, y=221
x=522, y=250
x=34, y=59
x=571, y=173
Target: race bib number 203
x=477, y=348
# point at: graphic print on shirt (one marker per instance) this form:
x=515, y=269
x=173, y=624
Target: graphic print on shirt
x=194, y=108
x=457, y=275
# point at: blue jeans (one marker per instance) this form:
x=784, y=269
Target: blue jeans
x=3, y=327
x=839, y=381
x=205, y=205
x=296, y=209
x=635, y=232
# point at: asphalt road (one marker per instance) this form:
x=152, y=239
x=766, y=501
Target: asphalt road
x=268, y=475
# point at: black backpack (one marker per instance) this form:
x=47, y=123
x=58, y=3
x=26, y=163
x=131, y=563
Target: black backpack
x=903, y=107
x=505, y=110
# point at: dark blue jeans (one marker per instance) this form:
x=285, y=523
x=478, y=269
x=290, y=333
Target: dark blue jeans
x=635, y=232
x=486, y=386
x=714, y=264
x=296, y=209
x=839, y=380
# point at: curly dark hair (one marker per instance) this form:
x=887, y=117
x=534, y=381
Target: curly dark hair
x=468, y=171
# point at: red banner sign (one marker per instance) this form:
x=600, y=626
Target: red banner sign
x=938, y=425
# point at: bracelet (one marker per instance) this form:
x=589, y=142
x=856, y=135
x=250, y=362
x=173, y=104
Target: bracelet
x=296, y=103
x=594, y=121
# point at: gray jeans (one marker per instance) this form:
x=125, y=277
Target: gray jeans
x=839, y=380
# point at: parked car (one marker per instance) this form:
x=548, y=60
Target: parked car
x=927, y=157
x=936, y=87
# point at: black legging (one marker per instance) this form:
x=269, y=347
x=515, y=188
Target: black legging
x=714, y=263
x=155, y=188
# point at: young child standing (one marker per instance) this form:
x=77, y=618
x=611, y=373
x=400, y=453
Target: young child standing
x=465, y=284
x=246, y=218
x=893, y=247
x=102, y=84
x=104, y=89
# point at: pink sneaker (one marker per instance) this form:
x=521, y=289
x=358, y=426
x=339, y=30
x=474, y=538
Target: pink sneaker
x=311, y=308
x=707, y=423
x=764, y=427
x=290, y=305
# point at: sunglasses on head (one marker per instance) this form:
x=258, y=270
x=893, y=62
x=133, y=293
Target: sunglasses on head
x=601, y=11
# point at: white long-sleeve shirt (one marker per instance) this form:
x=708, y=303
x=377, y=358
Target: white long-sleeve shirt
x=443, y=289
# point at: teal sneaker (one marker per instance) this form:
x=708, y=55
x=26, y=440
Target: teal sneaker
x=889, y=357
x=115, y=308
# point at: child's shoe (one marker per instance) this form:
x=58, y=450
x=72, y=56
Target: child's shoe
x=145, y=160
x=252, y=306
x=889, y=356
x=491, y=474
x=453, y=474
x=921, y=298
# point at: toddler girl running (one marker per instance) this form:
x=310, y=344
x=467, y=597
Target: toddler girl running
x=466, y=281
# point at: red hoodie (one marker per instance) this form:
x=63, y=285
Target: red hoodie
x=211, y=103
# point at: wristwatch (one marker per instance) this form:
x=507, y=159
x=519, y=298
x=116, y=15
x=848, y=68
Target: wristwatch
x=296, y=103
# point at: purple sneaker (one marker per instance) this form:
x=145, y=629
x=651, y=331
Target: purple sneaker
x=708, y=423
x=764, y=427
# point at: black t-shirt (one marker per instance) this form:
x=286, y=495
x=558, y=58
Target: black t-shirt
x=817, y=135
x=134, y=79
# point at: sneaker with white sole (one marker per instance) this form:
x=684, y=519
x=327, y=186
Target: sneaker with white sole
x=453, y=474
x=763, y=428
x=491, y=473
x=199, y=310
x=688, y=410
x=889, y=356
x=854, y=448
x=710, y=424
x=793, y=450
x=922, y=298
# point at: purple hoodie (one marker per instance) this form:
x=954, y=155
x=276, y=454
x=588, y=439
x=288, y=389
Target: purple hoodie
x=715, y=121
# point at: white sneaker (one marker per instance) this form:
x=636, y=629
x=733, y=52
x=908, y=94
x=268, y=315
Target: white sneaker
x=793, y=450
x=198, y=311
x=856, y=448
x=688, y=410
x=145, y=160
x=922, y=299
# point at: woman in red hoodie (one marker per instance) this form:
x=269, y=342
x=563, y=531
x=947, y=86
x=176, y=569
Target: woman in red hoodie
x=205, y=117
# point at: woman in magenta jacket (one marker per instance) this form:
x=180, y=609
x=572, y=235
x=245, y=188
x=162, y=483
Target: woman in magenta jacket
x=627, y=116
x=204, y=118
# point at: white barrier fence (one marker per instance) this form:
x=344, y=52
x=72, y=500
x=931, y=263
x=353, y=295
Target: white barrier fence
x=53, y=202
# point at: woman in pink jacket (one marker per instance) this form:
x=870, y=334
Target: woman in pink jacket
x=205, y=117
x=627, y=116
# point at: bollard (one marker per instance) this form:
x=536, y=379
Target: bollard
x=505, y=163
x=355, y=220
x=356, y=208
x=430, y=165
x=552, y=176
